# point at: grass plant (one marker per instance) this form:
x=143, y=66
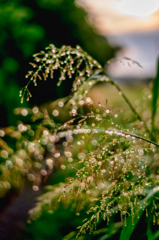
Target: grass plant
x=109, y=155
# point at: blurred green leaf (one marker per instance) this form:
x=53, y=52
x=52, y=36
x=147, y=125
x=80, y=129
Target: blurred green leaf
x=10, y=65
x=2, y=73
x=71, y=235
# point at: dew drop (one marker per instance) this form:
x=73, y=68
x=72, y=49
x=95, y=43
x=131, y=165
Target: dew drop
x=88, y=191
x=81, y=102
x=2, y=133
x=24, y=112
x=55, y=113
x=35, y=110
x=35, y=188
x=107, y=111
x=43, y=172
x=49, y=162
x=4, y=154
x=68, y=154
x=63, y=167
x=45, y=133
x=70, y=159
x=60, y=104
x=31, y=177
x=57, y=155
x=141, y=152
x=99, y=104
x=94, y=142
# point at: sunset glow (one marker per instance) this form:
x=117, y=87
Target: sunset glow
x=110, y=16
x=141, y=8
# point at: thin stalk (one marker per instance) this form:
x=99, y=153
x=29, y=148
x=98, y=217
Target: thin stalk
x=115, y=131
x=132, y=108
x=139, y=137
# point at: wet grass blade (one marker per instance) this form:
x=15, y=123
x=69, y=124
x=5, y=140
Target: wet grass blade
x=149, y=231
x=155, y=93
x=128, y=230
x=156, y=235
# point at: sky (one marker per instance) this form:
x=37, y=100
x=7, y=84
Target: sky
x=140, y=47
x=125, y=24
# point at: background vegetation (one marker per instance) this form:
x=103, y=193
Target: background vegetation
x=28, y=27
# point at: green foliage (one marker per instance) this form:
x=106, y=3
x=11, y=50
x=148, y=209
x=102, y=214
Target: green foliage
x=108, y=168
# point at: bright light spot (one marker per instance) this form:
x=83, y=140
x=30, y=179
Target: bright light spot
x=19, y=161
x=24, y=112
x=4, y=154
x=74, y=111
x=140, y=8
x=94, y=142
x=100, y=163
x=52, y=138
x=55, y=113
x=31, y=177
x=31, y=148
x=65, y=144
x=78, y=143
x=49, y=162
x=43, y=172
x=81, y=156
x=141, y=152
x=60, y=104
x=107, y=111
x=2, y=133
x=81, y=102
x=92, y=160
x=90, y=179
x=9, y=164
x=35, y=110
x=57, y=155
x=63, y=167
x=70, y=159
x=46, y=133
x=103, y=171
x=21, y=127
x=68, y=154
x=22, y=153
x=35, y=188
x=88, y=100
x=88, y=191
x=69, y=139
